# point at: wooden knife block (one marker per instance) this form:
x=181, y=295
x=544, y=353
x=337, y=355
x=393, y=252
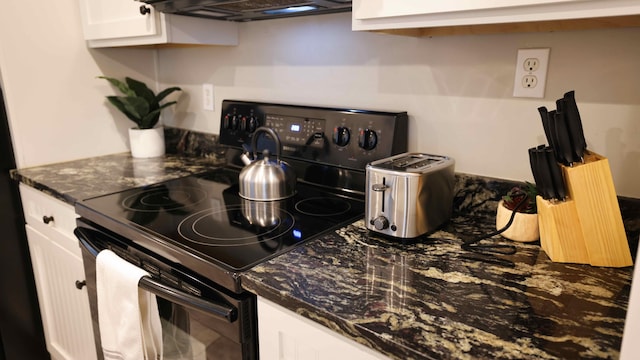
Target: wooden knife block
x=586, y=228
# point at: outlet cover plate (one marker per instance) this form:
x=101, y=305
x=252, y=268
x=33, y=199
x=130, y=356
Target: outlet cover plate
x=531, y=64
x=207, y=97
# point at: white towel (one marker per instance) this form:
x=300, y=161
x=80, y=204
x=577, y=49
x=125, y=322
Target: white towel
x=127, y=315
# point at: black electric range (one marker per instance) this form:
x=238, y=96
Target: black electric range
x=200, y=222
x=195, y=235
x=202, y=217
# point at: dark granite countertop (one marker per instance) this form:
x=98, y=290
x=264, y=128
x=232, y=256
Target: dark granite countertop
x=86, y=178
x=433, y=300
x=428, y=299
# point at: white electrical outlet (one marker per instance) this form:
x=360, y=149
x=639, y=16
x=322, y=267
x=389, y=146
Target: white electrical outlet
x=531, y=73
x=207, y=97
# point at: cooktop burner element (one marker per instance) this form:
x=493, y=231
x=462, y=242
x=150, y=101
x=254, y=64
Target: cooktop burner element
x=210, y=227
x=323, y=206
x=156, y=199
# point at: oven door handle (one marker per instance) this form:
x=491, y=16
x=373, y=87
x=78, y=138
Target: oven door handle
x=229, y=313
x=222, y=311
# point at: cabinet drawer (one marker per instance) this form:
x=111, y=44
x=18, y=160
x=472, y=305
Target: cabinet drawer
x=46, y=213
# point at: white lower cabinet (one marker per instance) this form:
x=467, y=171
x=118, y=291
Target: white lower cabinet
x=285, y=335
x=57, y=265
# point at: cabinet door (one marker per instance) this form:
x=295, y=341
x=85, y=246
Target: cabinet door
x=65, y=310
x=389, y=8
x=116, y=19
x=392, y=14
x=113, y=23
x=285, y=335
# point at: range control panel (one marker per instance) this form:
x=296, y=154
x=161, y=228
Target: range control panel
x=338, y=137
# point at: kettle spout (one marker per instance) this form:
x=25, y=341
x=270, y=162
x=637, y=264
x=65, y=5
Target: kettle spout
x=245, y=158
x=246, y=155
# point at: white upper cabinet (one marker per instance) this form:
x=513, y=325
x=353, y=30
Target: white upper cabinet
x=393, y=14
x=110, y=23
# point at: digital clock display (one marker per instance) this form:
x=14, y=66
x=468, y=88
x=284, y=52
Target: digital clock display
x=295, y=127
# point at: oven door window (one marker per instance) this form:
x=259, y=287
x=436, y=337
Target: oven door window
x=186, y=335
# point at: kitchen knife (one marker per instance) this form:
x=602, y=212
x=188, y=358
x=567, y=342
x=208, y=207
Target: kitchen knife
x=563, y=146
x=534, y=169
x=574, y=125
x=546, y=124
x=545, y=185
x=551, y=123
x=577, y=150
x=560, y=190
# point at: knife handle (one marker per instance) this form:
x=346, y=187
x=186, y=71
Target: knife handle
x=544, y=115
x=545, y=186
x=575, y=124
x=534, y=169
x=559, y=187
x=564, y=141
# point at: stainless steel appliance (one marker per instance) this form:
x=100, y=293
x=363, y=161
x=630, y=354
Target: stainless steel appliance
x=247, y=10
x=409, y=195
x=196, y=235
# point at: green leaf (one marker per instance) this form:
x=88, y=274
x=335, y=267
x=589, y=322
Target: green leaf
x=120, y=85
x=163, y=94
x=142, y=90
x=137, y=106
x=165, y=105
x=150, y=120
x=115, y=101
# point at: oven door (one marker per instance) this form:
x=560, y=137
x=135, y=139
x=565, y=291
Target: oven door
x=198, y=320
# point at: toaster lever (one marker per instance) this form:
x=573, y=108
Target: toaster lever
x=379, y=187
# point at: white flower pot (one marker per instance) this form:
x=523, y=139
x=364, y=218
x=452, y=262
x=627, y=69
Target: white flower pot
x=524, y=227
x=147, y=143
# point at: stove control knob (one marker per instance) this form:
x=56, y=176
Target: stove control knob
x=226, y=122
x=368, y=139
x=380, y=223
x=341, y=135
x=252, y=124
x=243, y=123
x=235, y=122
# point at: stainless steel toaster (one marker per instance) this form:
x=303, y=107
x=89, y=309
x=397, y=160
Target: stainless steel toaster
x=409, y=195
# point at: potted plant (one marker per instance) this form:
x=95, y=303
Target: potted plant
x=142, y=106
x=522, y=200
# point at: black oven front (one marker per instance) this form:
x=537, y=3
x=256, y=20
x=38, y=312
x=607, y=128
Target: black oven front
x=199, y=320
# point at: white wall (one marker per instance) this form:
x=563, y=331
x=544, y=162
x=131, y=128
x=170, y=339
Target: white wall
x=456, y=89
x=56, y=106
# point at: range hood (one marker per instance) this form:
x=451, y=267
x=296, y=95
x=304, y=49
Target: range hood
x=247, y=10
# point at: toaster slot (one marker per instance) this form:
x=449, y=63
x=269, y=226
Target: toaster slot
x=381, y=188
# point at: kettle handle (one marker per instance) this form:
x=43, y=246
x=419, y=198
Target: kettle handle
x=274, y=136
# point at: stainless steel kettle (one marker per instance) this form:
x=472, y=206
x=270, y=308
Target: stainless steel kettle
x=266, y=179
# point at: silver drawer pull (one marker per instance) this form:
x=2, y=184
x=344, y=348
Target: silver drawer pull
x=379, y=187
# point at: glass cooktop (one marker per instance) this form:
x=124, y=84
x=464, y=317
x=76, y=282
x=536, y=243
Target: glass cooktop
x=204, y=215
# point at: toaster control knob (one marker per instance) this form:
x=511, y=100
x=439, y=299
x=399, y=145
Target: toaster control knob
x=341, y=135
x=368, y=139
x=380, y=223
